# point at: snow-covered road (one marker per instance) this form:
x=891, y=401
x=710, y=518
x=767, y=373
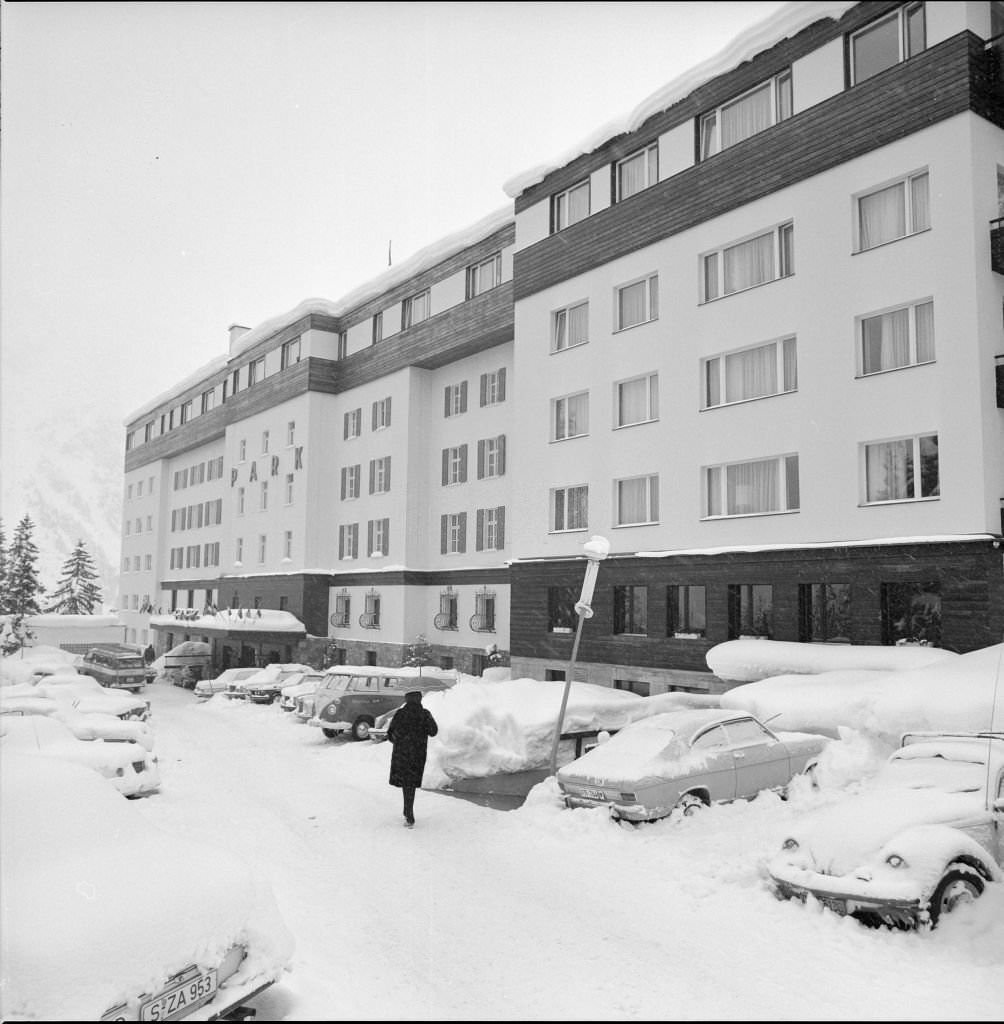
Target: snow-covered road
x=539, y=913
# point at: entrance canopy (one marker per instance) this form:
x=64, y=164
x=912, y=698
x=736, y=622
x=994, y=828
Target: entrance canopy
x=236, y=623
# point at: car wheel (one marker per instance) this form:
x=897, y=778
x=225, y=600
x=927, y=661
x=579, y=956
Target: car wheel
x=689, y=804
x=960, y=885
x=361, y=728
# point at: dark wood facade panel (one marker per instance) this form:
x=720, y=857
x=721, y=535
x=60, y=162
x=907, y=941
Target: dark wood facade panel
x=929, y=88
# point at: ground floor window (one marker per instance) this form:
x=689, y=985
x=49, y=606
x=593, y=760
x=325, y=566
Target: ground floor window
x=631, y=610
x=824, y=612
x=561, y=609
x=911, y=612
x=687, y=611
x=750, y=609
x=643, y=689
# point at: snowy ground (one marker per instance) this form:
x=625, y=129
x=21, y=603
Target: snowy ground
x=539, y=913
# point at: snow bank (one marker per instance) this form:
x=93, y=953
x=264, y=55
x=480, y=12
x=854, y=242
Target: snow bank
x=746, y=661
x=23, y=666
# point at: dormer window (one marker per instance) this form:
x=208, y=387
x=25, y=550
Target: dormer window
x=749, y=114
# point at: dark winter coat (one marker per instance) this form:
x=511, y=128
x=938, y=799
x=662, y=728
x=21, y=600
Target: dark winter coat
x=409, y=731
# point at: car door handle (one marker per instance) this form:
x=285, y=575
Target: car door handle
x=738, y=754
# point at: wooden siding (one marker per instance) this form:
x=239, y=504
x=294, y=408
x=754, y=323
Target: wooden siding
x=971, y=575
x=913, y=95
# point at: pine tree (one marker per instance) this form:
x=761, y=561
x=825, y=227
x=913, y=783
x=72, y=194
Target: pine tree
x=419, y=653
x=3, y=570
x=23, y=585
x=77, y=593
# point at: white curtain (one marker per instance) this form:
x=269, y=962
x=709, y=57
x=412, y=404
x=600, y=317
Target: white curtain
x=751, y=374
x=925, y=332
x=578, y=324
x=752, y=487
x=631, y=176
x=889, y=470
x=886, y=341
x=746, y=116
x=708, y=125
x=882, y=216
x=578, y=203
x=749, y=263
x=632, y=501
x=711, y=277
x=790, y=357
x=713, y=382
x=919, y=203
x=632, y=304
x=714, y=487
x=561, y=330
x=633, y=402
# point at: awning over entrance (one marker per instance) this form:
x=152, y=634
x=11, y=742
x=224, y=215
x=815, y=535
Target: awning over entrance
x=236, y=623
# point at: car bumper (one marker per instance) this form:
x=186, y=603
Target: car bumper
x=889, y=909
x=621, y=811
x=322, y=723
x=261, y=698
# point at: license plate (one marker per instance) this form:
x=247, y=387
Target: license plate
x=593, y=794
x=179, y=997
x=838, y=906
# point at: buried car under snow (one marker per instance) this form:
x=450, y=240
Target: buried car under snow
x=685, y=760
x=108, y=917
x=923, y=835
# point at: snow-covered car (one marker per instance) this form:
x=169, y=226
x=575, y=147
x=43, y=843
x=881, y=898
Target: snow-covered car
x=266, y=684
x=298, y=687
x=95, y=725
x=223, y=682
x=108, y=917
x=128, y=766
x=685, y=760
x=920, y=837
x=88, y=695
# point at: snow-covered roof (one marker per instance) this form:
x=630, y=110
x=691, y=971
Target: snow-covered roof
x=423, y=260
x=252, y=620
x=47, y=619
x=787, y=21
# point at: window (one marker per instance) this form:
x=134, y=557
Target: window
x=639, y=686
x=483, y=620
x=447, y=617
x=290, y=433
x=902, y=337
x=263, y=503
x=824, y=612
x=570, y=206
x=637, y=500
x=370, y=619
x=570, y=327
x=887, y=41
x=242, y=451
x=752, y=488
x=135, y=563
x=289, y=488
x=343, y=610
x=631, y=610
x=750, y=607
x=238, y=550
x=377, y=328
x=453, y=533
x=289, y=353
x=750, y=373
x=454, y=463
x=893, y=211
x=261, y=548
x=745, y=116
x=148, y=433
x=256, y=371
x=350, y=481
x=380, y=475
x=455, y=399
x=287, y=544
x=180, y=479
x=415, y=309
x=186, y=411
x=493, y=387
x=381, y=414
x=208, y=400
x=754, y=261
x=343, y=344
x=561, y=615
x=891, y=469
x=491, y=457
x=352, y=424
x=212, y=554
x=378, y=537
x=241, y=495
x=148, y=562
x=637, y=303
x=636, y=400
x=569, y=508
x=264, y=442
x=687, y=608
x=348, y=540
x=490, y=529
x=911, y=612
x=570, y=416
x=636, y=172
x=483, y=276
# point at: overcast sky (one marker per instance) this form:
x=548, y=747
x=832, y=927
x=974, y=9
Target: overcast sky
x=169, y=169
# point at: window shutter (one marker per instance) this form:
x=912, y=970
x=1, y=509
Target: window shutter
x=386, y=476
x=446, y=466
x=463, y=463
x=385, y=546
x=479, y=531
x=446, y=401
x=369, y=537
x=501, y=455
x=500, y=527
x=345, y=473
x=341, y=541
x=501, y=387
x=387, y=412
x=481, y=460
x=345, y=426
x=373, y=416
x=463, y=396
x=444, y=528
x=372, y=473
x=462, y=545
x=484, y=389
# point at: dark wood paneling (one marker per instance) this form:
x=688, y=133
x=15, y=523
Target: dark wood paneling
x=920, y=92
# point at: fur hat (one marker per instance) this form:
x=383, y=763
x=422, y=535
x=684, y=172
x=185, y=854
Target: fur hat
x=413, y=696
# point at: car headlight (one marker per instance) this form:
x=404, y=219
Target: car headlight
x=894, y=860
x=790, y=845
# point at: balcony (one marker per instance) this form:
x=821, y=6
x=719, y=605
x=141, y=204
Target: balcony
x=997, y=245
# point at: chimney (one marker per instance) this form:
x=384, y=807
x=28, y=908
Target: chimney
x=236, y=333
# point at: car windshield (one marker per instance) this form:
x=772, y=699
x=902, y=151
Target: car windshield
x=130, y=662
x=933, y=771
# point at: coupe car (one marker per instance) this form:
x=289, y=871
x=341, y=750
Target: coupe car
x=922, y=836
x=224, y=682
x=109, y=918
x=685, y=760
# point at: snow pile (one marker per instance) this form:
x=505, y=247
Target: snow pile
x=745, y=661
x=961, y=693
x=252, y=620
x=27, y=664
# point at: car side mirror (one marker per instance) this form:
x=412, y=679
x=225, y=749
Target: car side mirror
x=998, y=805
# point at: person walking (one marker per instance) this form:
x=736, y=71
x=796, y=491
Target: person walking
x=409, y=732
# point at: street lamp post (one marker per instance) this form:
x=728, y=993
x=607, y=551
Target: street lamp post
x=595, y=549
